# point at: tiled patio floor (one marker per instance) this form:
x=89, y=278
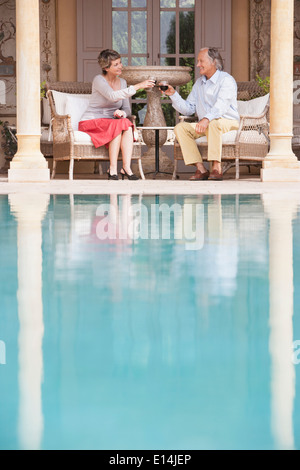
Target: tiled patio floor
x=84, y=184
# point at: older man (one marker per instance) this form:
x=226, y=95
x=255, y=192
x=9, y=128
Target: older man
x=214, y=100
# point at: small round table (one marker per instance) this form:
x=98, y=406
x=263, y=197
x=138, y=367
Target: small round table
x=157, y=145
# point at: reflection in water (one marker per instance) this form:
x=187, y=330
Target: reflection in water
x=29, y=211
x=281, y=212
x=2, y=353
x=150, y=268
x=144, y=327
x=229, y=229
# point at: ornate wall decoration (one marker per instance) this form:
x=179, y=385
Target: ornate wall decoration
x=48, y=40
x=7, y=57
x=297, y=40
x=260, y=38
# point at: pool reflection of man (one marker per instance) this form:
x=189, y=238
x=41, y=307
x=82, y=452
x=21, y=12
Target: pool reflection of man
x=214, y=100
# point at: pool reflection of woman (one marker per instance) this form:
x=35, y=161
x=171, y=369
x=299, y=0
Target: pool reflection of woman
x=105, y=119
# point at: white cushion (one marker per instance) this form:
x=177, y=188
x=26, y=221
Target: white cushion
x=46, y=112
x=79, y=137
x=253, y=107
x=82, y=138
x=76, y=107
x=227, y=138
x=61, y=98
x=46, y=135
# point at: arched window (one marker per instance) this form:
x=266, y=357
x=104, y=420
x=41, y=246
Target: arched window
x=2, y=92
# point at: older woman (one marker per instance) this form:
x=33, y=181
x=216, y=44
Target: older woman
x=105, y=120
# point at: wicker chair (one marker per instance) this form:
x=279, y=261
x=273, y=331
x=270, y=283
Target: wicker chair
x=247, y=146
x=68, y=144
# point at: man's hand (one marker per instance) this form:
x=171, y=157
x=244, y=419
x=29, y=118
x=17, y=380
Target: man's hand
x=201, y=126
x=170, y=91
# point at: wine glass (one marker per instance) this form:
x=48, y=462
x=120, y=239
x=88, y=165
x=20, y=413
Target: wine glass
x=153, y=79
x=163, y=86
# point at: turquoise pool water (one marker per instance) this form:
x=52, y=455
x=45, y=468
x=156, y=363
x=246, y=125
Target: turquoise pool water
x=148, y=338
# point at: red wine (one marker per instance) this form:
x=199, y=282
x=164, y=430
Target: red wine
x=163, y=87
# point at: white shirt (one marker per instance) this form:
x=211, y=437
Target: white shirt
x=212, y=99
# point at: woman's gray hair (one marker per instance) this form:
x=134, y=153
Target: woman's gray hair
x=106, y=57
x=214, y=56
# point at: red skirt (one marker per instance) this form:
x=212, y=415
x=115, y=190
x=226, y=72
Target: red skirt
x=103, y=131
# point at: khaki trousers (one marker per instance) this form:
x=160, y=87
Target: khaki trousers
x=186, y=136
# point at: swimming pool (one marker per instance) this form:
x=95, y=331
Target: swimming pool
x=132, y=322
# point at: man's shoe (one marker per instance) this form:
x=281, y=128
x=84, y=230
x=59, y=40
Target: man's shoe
x=216, y=176
x=198, y=176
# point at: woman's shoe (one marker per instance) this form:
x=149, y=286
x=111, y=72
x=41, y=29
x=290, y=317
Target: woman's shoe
x=130, y=177
x=112, y=177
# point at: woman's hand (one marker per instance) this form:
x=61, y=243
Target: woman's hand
x=145, y=84
x=118, y=114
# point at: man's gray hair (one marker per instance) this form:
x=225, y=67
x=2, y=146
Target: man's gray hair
x=214, y=56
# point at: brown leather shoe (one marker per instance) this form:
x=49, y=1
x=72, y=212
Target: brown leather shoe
x=198, y=176
x=216, y=176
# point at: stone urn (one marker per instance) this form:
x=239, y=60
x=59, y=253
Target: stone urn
x=175, y=76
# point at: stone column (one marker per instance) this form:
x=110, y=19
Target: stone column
x=281, y=164
x=28, y=164
x=281, y=212
x=29, y=211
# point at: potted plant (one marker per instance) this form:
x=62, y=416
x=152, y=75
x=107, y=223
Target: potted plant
x=9, y=144
x=264, y=83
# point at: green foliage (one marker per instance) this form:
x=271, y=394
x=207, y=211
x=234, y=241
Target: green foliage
x=43, y=89
x=169, y=113
x=138, y=33
x=264, y=83
x=9, y=145
x=186, y=89
x=187, y=34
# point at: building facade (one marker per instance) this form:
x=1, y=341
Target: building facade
x=153, y=32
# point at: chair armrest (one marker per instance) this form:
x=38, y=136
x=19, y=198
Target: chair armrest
x=257, y=124
x=259, y=116
x=61, y=124
x=137, y=134
x=62, y=129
